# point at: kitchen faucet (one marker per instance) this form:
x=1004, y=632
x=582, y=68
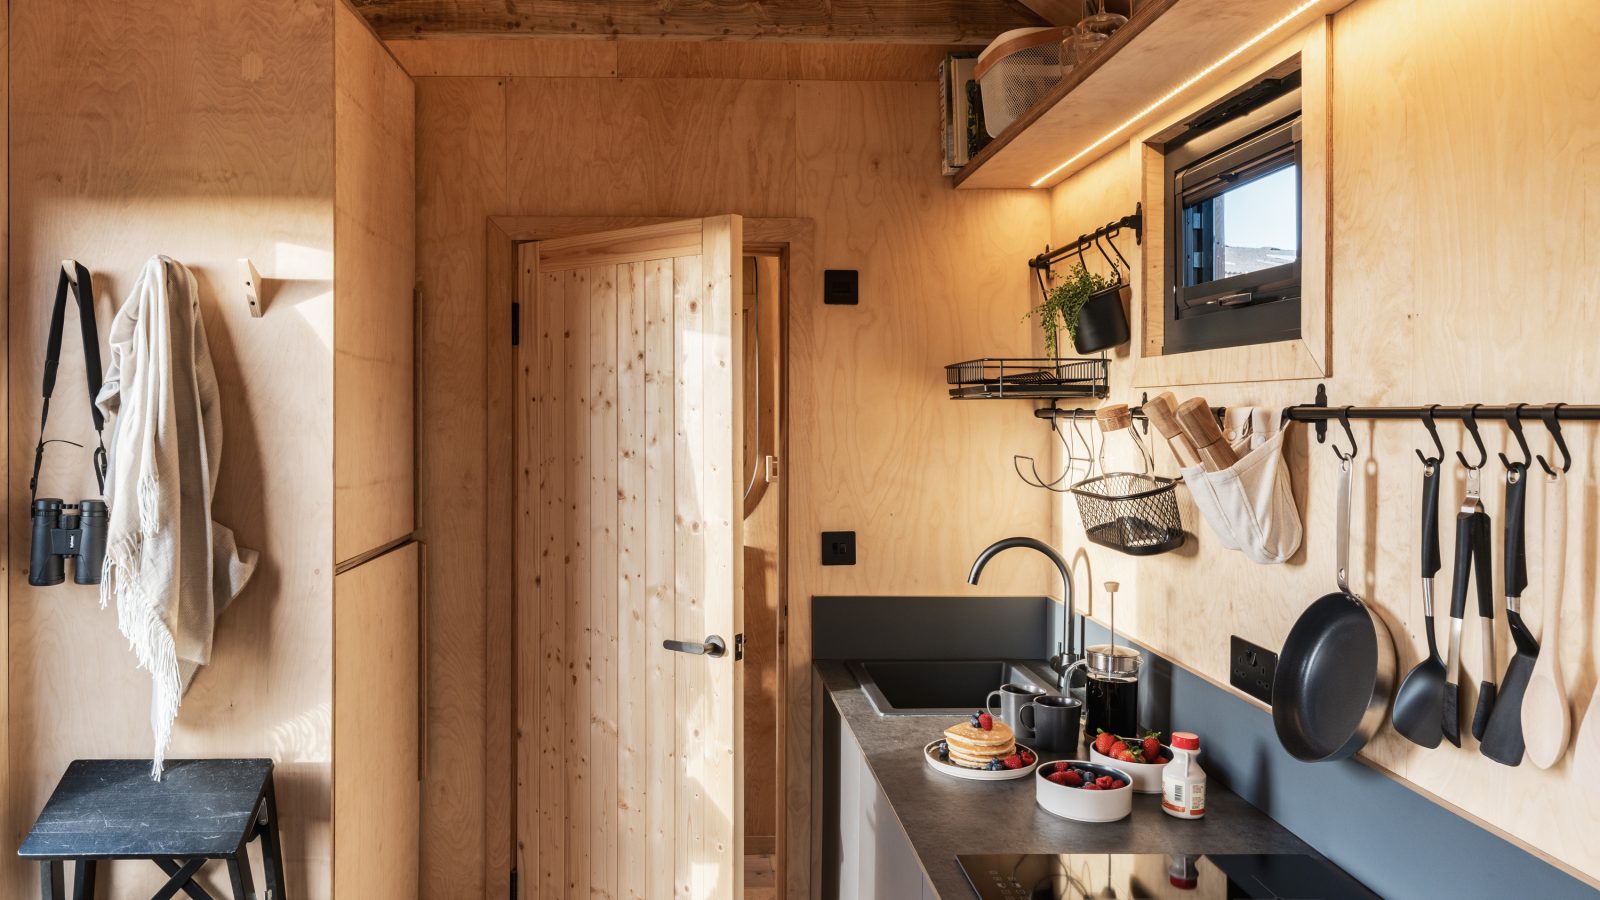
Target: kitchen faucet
x=1067, y=651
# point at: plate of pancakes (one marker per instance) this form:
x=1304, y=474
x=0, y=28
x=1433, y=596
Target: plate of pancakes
x=967, y=751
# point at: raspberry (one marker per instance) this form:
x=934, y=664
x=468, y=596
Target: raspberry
x=1070, y=779
x=985, y=721
x=1013, y=761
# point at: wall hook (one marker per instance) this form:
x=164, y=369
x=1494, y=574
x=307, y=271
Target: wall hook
x=1552, y=424
x=1344, y=420
x=1513, y=418
x=252, y=286
x=1470, y=416
x=1433, y=432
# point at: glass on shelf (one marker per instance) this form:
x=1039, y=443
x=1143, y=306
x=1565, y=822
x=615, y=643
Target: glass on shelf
x=1090, y=34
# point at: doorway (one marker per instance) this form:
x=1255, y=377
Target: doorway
x=764, y=291
x=551, y=828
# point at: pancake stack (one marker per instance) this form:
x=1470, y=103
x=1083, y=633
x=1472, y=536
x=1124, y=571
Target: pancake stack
x=972, y=747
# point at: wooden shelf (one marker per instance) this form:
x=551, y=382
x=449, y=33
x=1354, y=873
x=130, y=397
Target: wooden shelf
x=1166, y=43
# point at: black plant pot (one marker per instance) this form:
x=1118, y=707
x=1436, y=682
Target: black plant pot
x=1103, y=321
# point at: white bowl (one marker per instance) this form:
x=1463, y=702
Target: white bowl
x=1146, y=776
x=1081, y=805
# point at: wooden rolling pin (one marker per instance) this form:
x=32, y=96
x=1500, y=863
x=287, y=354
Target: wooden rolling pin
x=1197, y=420
x=1162, y=409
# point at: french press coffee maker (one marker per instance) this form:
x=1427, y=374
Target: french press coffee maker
x=1111, y=694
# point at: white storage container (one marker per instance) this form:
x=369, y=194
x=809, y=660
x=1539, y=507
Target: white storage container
x=1015, y=71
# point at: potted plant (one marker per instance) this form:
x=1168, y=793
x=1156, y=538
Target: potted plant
x=1089, y=306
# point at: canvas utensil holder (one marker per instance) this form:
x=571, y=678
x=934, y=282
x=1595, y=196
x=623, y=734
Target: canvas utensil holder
x=1250, y=505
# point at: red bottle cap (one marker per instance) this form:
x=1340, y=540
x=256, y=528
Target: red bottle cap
x=1185, y=740
x=1183, y=884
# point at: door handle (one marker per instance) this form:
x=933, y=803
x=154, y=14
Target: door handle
x=713, y=647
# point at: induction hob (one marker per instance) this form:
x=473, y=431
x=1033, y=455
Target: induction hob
x=1131, y=876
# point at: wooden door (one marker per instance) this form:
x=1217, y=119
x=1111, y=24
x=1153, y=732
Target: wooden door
x=628, y=520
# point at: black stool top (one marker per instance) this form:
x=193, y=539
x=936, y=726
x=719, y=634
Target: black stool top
x=111, y=809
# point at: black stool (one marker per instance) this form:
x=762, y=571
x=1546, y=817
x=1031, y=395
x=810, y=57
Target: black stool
x=202, y=809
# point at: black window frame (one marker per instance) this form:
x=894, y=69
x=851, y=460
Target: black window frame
x=1257, y=134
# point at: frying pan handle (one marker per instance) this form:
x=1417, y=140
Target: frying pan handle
x=1516, y=529
x=1345, y=487
x=1463, y=565
x=1430, y=520
x=1483, y=563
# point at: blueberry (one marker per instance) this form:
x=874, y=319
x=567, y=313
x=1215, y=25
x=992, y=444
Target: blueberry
x=944, y=751
x=995, y=764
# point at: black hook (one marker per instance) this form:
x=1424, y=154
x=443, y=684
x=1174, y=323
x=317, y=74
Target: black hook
x=1552, y=424
x=1111, y=240
x=1082, y=239
x=1116, y=273
x=1433, y=432
x=1470, y=416
x=1344, y=420
x=1514, y=422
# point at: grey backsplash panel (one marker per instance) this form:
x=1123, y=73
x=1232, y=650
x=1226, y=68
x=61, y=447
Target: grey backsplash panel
x=1394, y=840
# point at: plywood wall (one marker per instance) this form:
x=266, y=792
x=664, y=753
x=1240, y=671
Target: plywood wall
x=1466, y=180
x=204, y=131
x=374, y=236
x=874, y=447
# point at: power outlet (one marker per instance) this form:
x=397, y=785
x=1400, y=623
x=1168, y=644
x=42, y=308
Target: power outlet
x=1251, y=668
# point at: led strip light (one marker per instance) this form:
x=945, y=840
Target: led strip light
x=1189, y=83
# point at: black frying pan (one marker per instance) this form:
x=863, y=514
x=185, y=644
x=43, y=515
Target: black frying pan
x=1337, y=668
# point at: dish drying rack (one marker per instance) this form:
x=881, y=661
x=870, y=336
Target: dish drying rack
x=1036, y=378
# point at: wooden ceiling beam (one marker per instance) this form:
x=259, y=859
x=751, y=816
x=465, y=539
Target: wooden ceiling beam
x=877, y=21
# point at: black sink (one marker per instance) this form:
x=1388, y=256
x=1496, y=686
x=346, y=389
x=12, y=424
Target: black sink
x=943, y=687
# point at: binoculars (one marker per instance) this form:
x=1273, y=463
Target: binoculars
x=67, y=530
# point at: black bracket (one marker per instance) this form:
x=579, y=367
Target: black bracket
x=1321, y=424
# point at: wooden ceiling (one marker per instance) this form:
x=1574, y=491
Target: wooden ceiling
x=878, y=21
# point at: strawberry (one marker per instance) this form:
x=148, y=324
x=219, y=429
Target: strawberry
x=985, y=721
x=1061, y=778
x=1162, y=760
x=1124, y=754
x=1070, y=779
x=1092, y=787
x=1103, y=742
x=1013, y=761
x=1027, y=758
x=1152, y=745
x=1119, y=783
x=1062, y=767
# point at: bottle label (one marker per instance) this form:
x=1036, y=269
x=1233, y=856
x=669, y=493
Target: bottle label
x=1184, y=799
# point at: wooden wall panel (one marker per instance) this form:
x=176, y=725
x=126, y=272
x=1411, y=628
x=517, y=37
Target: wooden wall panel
x=603, y=161
x=1437, y=221
x=204, y=131
x=375, y=727
x=374, y=240
x=883, y=451
x=461, y=175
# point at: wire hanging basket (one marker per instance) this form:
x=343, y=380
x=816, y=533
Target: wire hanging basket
x=1134, y=512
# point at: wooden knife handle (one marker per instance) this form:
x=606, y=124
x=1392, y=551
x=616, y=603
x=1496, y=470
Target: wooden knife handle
x=1162, y=409
x=1196, y=418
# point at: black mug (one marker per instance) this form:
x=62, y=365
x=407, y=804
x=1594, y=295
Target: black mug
x=1054, y=721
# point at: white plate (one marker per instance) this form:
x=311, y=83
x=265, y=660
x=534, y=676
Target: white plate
x=930, y=754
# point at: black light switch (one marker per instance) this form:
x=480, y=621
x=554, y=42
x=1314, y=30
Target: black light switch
x=841, y=287
x=838, y=548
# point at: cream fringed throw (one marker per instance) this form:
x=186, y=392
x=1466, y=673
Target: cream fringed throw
x=171, y=569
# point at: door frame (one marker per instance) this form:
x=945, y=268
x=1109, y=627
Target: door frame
x=797, y=785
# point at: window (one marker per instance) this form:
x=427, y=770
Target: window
x=1233, y=222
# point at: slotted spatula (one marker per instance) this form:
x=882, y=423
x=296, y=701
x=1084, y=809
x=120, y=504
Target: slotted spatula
x=1546, y=721
x=1502, y=740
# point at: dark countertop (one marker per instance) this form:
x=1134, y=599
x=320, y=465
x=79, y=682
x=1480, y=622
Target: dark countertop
x=939, y=813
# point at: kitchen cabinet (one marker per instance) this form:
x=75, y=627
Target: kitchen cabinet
x=875, y=857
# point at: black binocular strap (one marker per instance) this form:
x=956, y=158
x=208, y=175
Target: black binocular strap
x=83, y=290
